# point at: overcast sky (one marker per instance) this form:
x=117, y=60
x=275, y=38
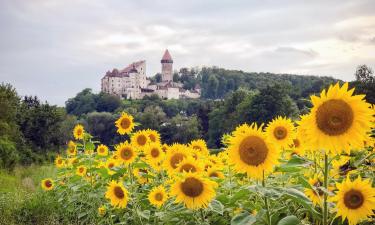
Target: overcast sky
x=54, y=49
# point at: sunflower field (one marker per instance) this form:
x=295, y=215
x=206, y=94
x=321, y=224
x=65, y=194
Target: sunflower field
x=317, y=170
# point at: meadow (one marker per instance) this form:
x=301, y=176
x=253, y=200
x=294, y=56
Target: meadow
x=317, y=170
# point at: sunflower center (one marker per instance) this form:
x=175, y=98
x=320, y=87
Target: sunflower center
x=296, y=143
x=152, y=137
x=192, y=187
x=48, y=183
x=214, y=174
x=176, y=159
x=280, y=133
x=253, y=150
x=125, y=123
x=101, y=150
x=353, y=199
x=111, y=165
x=79, y=132
x=334, y=117
x=343, y=169
x=126, y=154
x=197, y=148
x=188, y=168
x=59, y=161
x=141, y=140
x=81, y=169
x=119, y=193
x=155, y=152
x=319, y=184
x=159, y=197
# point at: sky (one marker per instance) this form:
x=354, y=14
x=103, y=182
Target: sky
x=56, y=48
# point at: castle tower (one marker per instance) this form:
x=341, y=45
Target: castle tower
x=167, y=67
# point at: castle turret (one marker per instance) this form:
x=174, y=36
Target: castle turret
x=167, y=67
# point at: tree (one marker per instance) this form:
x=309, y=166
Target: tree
x=84, y=102
x=152, y=117
x=107, y=103
x=365, y=83
x=180, y=129
x=101, y=126
x=364, y=74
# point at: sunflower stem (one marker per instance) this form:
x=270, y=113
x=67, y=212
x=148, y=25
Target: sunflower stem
x=325, y=203
x=266, y=202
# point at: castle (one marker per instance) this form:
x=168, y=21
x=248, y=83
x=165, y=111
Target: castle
x=132, y=82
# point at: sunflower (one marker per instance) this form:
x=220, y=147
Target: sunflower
x=250, y=152
x=354, y=200
x=140, y=139
x=59, y=162
x=102, y=150
x=338, y=120
x=47, y=184
x=78, y=132
x=72, y=149
x=117, y=194
x=174, y=156
x=193, y=190
x=102, y=211
x=315, y=194
x=200, y=146
x=341, y=167
x=125, y=152
x=158, y=196
x=81, y=171
x=280, y=131
x=154, y=154
x=124, y=124
x=153, y=136
x=143, y=176
x=215, y=173
x=189, y=164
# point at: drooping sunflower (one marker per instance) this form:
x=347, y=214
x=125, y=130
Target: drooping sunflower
x=341, y=166
x=338, y=120
x=153, y=135
x=140, y=139
x=315, y=195
x=250, y=152
x=280, y=131
x=158, y=196
x=126, y=153
x=355, y=200
x=78, y=132
x=175, y=154
x=125, y=124
x=200, y=146
x=193, y=190
x=59, y=162
x=154, y=154
x=72, y=149
x=81, y=170
x=47, y=184
x=189, y=164
x=117, y=194
x=102, y=150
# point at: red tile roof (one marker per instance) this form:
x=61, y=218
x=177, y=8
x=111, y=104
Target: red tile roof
x=167, y=56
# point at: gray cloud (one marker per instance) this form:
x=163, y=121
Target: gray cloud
x=55, y=48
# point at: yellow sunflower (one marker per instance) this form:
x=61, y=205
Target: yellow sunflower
x=315, y=195
x=72, y=149
x=200, y=146
x=338, y=120
x=215, y=173
x=174, y=156
x=341, y=166
x=117, y=194
x=143, y=176
x=78, y=132
x=59, y=162
x=189, y=164
x=102, y=211
x=126, y=153
x=354, y=200
x=153, y=136
x=154, y=154
x=280, y=131
x=140, y=139
x=158, y=196
x=102, y=150
x=81, y=171
x=47, y=184
x=250, y=152
x=193, y=190
x=124, y=124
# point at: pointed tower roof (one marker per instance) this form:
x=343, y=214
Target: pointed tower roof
x=167, y=58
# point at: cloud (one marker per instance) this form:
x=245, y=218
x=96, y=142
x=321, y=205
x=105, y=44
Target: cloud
x=54, y=49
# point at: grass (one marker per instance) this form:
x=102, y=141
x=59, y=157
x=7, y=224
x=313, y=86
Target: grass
x=21, y=199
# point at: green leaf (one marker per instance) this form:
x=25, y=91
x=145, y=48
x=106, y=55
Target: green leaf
x=304, y=182
x=90, y=146
x=244, y=218
x=300, y=198
x=289, y=220
x=216, y=206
